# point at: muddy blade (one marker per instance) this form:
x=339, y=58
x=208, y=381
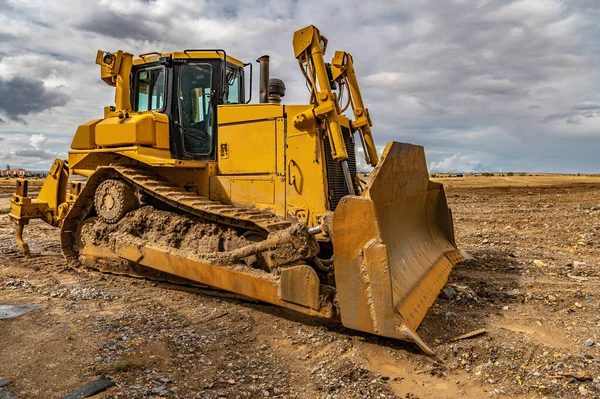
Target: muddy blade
x=394, y=247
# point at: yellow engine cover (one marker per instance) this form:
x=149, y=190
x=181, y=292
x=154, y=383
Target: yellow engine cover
x=139, y=129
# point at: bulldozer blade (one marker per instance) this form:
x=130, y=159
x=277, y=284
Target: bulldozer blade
x=394, y=247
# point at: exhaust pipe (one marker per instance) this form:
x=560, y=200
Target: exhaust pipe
x=263, y=80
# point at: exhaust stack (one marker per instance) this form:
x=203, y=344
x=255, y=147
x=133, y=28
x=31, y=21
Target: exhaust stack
x=263, y=80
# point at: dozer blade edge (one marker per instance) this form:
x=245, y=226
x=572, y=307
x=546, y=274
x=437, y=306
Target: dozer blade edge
x=394, y=247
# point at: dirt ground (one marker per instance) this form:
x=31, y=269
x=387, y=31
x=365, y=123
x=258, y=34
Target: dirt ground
x=533, y=286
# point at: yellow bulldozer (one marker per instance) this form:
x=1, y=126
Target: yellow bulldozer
x=283, y=213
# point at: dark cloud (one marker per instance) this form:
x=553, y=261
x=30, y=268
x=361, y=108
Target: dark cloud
x=30, y=153
x=20, y=97
x=576, y=115
x=113, y=24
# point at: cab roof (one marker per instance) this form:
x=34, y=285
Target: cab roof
x=148, y=58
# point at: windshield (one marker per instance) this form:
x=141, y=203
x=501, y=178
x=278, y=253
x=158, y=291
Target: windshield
x=150, y=89
x=196, y=113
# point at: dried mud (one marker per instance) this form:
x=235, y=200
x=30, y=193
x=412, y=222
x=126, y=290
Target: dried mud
x=189, y=236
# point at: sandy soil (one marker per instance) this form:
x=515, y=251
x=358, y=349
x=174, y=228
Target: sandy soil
x=533, y=287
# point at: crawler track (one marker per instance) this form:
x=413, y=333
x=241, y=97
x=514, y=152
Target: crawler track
x=151, y=184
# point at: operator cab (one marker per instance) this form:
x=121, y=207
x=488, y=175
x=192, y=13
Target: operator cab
x=187, y=87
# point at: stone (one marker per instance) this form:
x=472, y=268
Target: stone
x=552, y=298
x=539, y=263
x=580, y=268
x=448, y=292
x=588, y=342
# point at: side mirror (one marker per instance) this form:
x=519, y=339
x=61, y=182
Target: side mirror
x=250, y=84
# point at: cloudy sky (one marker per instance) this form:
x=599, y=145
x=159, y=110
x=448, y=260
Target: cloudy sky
x=483, y=85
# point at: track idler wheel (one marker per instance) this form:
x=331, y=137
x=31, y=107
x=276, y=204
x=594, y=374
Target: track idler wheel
x=113, y=199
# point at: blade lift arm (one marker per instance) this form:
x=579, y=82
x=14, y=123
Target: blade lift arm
x=342, y=72
x=309, y=49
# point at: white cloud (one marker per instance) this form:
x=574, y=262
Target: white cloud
x=458, y=163
x=32, y=151
x=37, y=141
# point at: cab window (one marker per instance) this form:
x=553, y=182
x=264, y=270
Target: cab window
x=149, y=89
x=234, y=84
x=195, y=108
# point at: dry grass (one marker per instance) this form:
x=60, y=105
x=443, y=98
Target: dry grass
x=515, y=181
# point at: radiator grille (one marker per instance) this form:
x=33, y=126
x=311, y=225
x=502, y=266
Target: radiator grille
x=335, y=174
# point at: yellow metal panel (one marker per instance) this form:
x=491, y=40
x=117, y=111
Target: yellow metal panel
x=220, y=189
x=228, y=189
x=250, y=284
x=162, y=130
x=300, y=285
x=137, y=129
x=305, y=172
x=252, y=191
x=85, y=137
x=243, y=113
x=250, y=148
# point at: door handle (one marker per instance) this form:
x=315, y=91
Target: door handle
x=291, y=179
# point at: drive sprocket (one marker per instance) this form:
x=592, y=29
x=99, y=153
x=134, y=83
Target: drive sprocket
x=113, y=199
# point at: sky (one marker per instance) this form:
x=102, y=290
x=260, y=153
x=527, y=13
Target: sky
x=482, y=85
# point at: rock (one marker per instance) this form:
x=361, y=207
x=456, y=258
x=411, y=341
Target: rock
x=552, y=298
x=160, y=390
x=580, y=268
x=539, y=263
x=448, y=292
x=455, y=350
x=588, y=342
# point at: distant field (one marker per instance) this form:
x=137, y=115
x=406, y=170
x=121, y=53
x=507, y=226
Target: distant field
x=515, y=181
x=12, y=181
